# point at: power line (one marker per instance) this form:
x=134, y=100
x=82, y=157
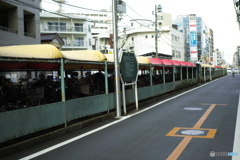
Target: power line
x=67, y=4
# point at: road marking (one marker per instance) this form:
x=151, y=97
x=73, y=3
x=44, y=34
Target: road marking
x=107, y=125
x=236, y=144
x=205, y=115
x=180, y=148
x=210, y=132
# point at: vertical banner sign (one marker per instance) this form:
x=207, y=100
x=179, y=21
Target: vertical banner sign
x=193, y=38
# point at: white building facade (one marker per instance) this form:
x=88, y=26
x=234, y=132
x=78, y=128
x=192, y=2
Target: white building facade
x=101, y=28
x=140, y=37
x=74, y=30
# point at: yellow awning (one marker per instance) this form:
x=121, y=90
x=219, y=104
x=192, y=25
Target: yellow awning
x=84, y=55
x=45, y=51
x=110, y=57
x=143, y=60
x=205, y=65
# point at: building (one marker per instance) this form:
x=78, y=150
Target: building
x=74, y=30
x=101, y=24
x=211, y=44
x=218, y=58
x=19, y=22
x=53, y=39
x=140, y=37
x=196, y=33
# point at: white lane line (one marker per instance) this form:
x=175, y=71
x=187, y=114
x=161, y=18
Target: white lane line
x=105, y=126
x=236, y=143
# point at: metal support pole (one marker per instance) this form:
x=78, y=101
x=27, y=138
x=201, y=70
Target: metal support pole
x=116, y=60
x=192, y=73
x=181, y=72
x=106, y=83
x=62, y=80
x=174, y=77
x=210, y=73
x=63, y=91
x=204, y=72
x=151, y=74
x=124, y=99
x=164, y=76
x=136, y=96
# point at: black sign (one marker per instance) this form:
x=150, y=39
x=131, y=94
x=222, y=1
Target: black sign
x=129, y=67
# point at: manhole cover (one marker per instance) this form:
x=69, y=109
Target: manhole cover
x=193, y=108
x=192, y=132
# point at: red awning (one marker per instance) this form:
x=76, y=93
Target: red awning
x=167, y=62
x=176, y=63
x=156, y=61
x=190, y=64
x=183, y=63
x=218, y=67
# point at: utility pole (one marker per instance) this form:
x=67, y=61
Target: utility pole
x=116, y=58
x=158, y=9
x=118, y=7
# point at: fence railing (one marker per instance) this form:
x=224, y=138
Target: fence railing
x=6, y=29
x=70, y=43
x=58, y=28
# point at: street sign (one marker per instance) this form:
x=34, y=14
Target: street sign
x=129, y=67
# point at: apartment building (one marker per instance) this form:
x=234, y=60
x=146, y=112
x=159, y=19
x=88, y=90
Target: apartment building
x=140, y=37
x=101, y=25
x=74, y=30
x=19, y=22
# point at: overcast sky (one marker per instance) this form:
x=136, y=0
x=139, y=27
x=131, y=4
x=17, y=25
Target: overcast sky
x=219, y=15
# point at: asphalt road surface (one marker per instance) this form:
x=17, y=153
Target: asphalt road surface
x=198, y=124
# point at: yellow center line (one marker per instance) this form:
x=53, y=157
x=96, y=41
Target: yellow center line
x=182, y=145
x=204, y=116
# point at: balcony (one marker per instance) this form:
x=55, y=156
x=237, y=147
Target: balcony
x=29, y=35
x=75, y=44
x=64, y=29
x=6, y=29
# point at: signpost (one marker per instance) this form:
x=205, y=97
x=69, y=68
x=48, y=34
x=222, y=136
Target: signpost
x=129, y=75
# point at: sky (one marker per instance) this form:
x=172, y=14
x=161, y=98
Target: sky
x=219, y=15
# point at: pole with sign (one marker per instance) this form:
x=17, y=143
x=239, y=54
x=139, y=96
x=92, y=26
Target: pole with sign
x=129, y=75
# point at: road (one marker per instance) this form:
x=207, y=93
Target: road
x=197, y=124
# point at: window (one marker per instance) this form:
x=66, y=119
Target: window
x=29, y=24
x=78, y=27
x=173, y=53
x=132, y=38
x=146, y=36
x=63, y=26
x=79, y=41
x=152, y=36
x=52, y=26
